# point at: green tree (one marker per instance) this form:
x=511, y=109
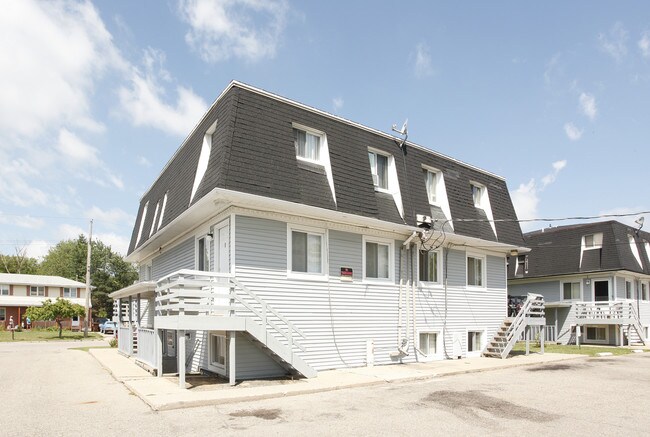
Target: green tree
x=108, y=270
x=58, y=311
x=19, y=263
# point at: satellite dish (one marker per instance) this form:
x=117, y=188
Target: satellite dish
x=403, y=130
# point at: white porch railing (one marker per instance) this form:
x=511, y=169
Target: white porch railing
x=125, y=340
x=147, y=347
x=204, y=294
x=549, y=333
x=605, y=310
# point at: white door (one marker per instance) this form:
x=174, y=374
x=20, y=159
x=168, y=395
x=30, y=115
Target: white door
x=222, y=262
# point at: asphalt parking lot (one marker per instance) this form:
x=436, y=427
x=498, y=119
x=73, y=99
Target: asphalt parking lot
x=50, y=389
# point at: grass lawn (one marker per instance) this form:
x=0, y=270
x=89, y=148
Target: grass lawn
x=45, y=335
x=520, y=349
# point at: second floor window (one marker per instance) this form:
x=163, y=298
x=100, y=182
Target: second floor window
x=475, y=272
x=4, y=290
x=429, y=266
x=379, y=169
x=69, y=292
x=37, y=291
x=306, y=252
x=571, y=291
x=307, y=145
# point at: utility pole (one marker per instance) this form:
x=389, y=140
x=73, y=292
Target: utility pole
x=87, y=319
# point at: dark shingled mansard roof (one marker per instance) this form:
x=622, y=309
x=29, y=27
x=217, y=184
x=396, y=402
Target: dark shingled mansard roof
x=253, y=152
x=556, y=250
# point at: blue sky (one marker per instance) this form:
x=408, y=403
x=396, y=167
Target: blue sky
x=97, y=96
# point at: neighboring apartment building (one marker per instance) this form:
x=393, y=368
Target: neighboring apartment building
x=323, y=244
x=19, y=292
x=595, y=276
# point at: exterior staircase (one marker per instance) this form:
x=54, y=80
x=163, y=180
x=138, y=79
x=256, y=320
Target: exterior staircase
x=530, y=314
x=618, y=313
x=215, y=301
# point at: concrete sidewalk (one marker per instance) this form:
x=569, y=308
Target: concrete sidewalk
x=165, y=394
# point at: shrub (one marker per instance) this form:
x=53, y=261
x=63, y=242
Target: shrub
x=113, y=342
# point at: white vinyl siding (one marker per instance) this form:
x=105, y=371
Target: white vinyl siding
x=178, y=257
x=339, y=318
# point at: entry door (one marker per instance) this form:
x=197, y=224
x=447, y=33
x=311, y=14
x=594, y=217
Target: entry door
x=222, y=262
x=601, y=291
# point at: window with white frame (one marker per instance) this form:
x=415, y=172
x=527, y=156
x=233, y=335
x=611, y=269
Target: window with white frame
x=203, y=254
x=429, y=343
x=377, y=259
x=307, y=252
x=474, y=341
x=36, y=291
x=308, y=144
x=629, y=294
x=4, y=290
x=70, y=292
x=432, y=182
x=477, y=195
x=595, y=333
x=475, y=271
x=429, y=266
x=593, y=241
x=218, y=351
x=3, y=314
x=571, y=291
x=644, y=291
x=522, y=265
x=379, y=169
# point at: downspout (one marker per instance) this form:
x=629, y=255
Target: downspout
x=403, y=341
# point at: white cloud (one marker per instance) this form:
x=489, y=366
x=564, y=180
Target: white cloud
x=143, y=161
x=615, y=42
x=588, y=105
x=644, y=44
x=526, y=197
x=15, y=187
x=245, y=29
x=572, y=132
x=337, y=103
x=58, y=50
x=112, y=217
x=553, y=69
x=423, y=66
x=37, y=249
x=144, y=99
x=117, y=242
x=84, y=159
x=76, y=150
x=25, y=221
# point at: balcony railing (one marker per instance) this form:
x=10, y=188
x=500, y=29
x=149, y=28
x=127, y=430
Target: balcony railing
x=147, y=347
x=605, y=310
x=208, y=294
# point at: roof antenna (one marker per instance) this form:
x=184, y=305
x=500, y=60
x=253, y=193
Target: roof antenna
x=639, y=222
x=403, y=131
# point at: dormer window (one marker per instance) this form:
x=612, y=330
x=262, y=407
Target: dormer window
x=379, y=169
x=308, y=144
x=432, y=186
x=592, y=241
x=477, y=195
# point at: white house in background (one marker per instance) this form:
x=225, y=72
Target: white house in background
x=595, y=276
x=19, y=292
x=282, y=239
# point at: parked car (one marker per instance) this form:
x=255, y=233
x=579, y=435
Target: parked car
x=108, y=325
